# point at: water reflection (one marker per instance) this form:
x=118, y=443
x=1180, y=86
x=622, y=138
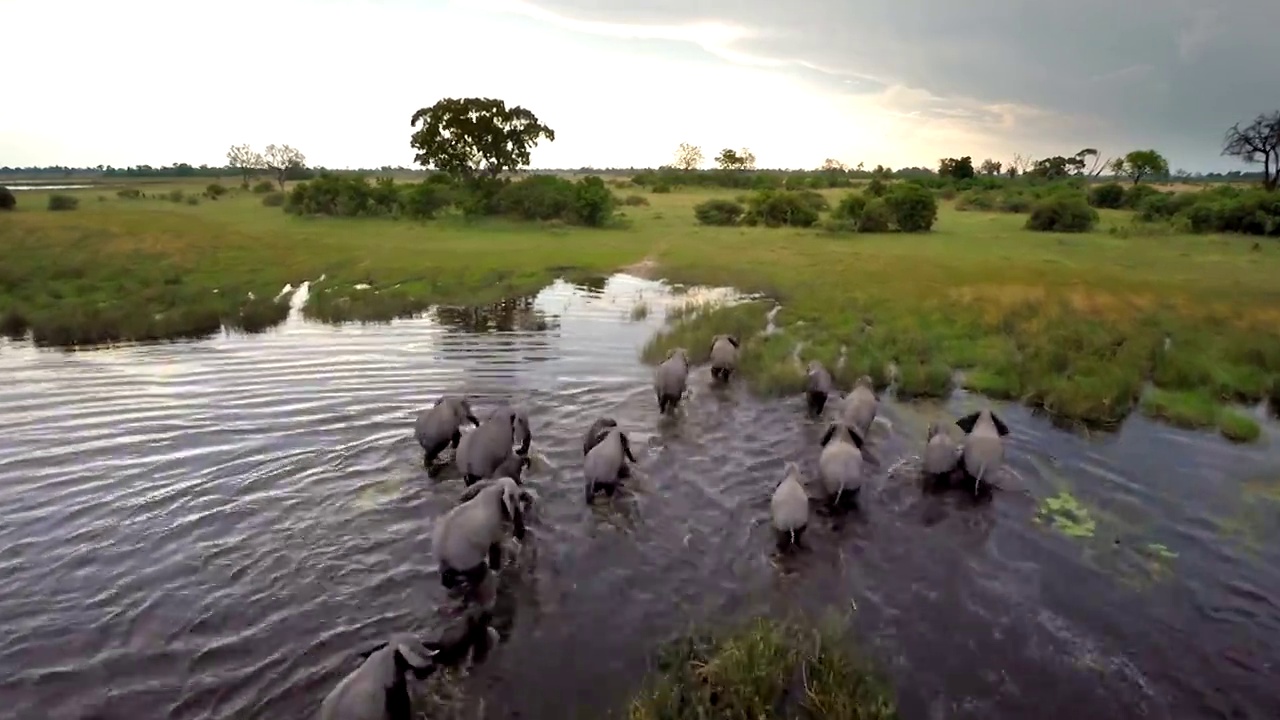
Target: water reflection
x=225, y=524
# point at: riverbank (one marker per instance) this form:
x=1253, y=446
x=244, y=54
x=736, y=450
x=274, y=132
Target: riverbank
x=1080, y=324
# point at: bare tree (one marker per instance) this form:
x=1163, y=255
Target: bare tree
x=746, y=159
x=1257, y=142
x=280, y=159
x=246, y=160
x=1021, y=163
x=990, y=167
x=833, y=165
x=1098, y=165
x=688, y=157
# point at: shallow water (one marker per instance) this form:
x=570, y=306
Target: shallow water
x=214, y=529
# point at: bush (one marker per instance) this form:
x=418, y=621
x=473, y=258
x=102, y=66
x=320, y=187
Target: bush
x=1062, y=212
x=1014, y=202
x=129, y=194
x=537, y=197
x=814, y=199
x=876, y=217
x=593, y=203
x=7, y=199
x=1107, y=195
x=274, y=199
x=661, y=188
x=636, y=201
x=718, y=211
x=778, y=208
x=1134, y=196
x=850, y=207
x=193, y=200
x=63, y=202
x=914, y=209
x=875, y=188
x=175, y=196
x=263, y=186
x=984, y=200
x=215, y=190
x=422, y=201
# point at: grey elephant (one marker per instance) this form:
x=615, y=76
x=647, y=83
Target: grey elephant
x=482, y=451
x=983, y=445
x=724, y=356
x=941, y=454
x=596, y=432
x=606, y=463
x=670, y=379
x=840, y=464
x=437, y=427
x=789, y=508
x=377, y=689
x=473, y=531
x=818, y=386
x=860, y=406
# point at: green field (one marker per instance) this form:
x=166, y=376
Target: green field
x=1080, y=324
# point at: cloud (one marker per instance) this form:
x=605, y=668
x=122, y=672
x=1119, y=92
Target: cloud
x=1166, y=73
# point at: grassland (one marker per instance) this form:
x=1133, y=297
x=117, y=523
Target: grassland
x=764, y=669
x=1083, y=325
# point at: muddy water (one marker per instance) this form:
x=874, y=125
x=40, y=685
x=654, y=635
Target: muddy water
x=212, y=529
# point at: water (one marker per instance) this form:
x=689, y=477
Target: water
x=213, y=529
x=46, y=187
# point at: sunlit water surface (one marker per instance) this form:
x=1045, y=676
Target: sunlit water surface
x=214, y=529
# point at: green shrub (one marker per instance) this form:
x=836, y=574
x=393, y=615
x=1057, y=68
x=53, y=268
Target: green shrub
x=263, y=186
x=875, y=188
x=129, y=194
x=914, y=209
x=718, y=211
x=1134, y=196
x=814, y=199
x=1062, y=212
x=538, y=197
x=593, y=202
x=193, y=200
x=215, y=190
x=876, y=217
x=661, y=188
x=778, y=208
x=273, y=199
x=59, y=202
x=175, y=196
x=1107, y=195
x=850, y=207
x=635, y=200
x=983, y=200
x=422, y=201
x=1014, y=202
x=8, y=200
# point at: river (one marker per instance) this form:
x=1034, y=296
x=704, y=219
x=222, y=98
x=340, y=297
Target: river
x=212, y=529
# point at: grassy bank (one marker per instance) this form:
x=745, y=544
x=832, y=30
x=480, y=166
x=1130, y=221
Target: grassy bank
x=1077, y=323
x=765, y=669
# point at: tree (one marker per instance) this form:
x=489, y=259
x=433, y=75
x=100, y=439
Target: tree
x=688, y=157
x=1259, y=142
x=246, y=160
x=990, y=167
x=1139, y=164
x=1056, y=167
x=280, y=159
x=729, y=159
x=1098, y=163
x=468, y=138
x=956, y=168
x=834, y=165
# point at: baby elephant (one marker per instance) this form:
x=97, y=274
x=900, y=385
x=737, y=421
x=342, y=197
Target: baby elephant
x=724, y=356
x=489, y=447
x=789, y=508
x=941, y=454
x=606, y=461
x=840, y=464
x=983, y=445
x=670, y=379
x=377, y=690
x=860, y=406
x=595, y=434
x=437, y=427
x=475, y=529
x=818, y=387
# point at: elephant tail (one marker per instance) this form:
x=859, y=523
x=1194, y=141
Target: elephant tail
x=977, y=478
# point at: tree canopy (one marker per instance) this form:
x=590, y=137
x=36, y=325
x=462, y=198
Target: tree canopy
x=1139, y=164
x=470, y=137
x=1258, y=142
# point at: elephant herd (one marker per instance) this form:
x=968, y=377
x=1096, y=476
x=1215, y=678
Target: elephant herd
x=468, y=540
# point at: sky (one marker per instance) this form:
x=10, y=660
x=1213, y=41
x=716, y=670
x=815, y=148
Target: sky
x=892, y=82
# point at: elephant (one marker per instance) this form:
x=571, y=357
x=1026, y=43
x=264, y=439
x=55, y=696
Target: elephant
x=670, y=379
x=840, y=464
x=437, y=427
x=606, y=461
x=482, y=451
x=859, y=408
x=474, y=529
x=941, y=453
x=983, y=445
x=595, y=433
x=789, y=508
x=818, y=386
x=724, y=356
x=377, y=689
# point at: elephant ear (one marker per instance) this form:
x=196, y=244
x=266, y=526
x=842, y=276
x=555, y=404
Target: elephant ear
x=733, y=340
x=364, y=654
x=967, y=422
x=855, y=437
x=826, y=436
x=1000, y=426
x=409, y=657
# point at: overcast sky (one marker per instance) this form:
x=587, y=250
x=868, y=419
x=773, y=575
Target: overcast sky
x=897, y=82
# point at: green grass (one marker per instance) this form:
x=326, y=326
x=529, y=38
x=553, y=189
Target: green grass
x=1076, y=324
x=1198, y=409
x=766, y=669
